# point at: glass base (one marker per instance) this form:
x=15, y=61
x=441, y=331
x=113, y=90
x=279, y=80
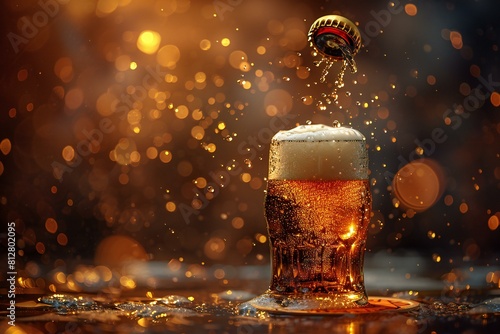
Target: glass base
x=328, y=303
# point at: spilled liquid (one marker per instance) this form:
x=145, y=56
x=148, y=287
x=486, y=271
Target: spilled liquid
x=233, y=303
x=228, y=311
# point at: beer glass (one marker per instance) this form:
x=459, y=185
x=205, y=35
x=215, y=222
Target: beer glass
x=317, y=207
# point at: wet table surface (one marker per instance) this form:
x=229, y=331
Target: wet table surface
x=217, y=309
x=164, y=303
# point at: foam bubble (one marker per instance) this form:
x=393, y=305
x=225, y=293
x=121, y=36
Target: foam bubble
x=318, y=152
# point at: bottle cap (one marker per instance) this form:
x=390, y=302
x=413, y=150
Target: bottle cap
x=330, y=31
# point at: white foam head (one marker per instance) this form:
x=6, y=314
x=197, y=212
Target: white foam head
x=318, y=152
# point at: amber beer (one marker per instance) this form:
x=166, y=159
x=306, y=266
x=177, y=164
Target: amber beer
x=318, y=206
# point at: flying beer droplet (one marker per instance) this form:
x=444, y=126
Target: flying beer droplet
x=336, y=39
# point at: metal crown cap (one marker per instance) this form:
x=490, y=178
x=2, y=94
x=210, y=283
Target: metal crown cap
x=337, y=29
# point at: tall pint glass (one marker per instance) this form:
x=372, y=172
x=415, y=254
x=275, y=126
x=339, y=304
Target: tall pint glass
x=317, y=207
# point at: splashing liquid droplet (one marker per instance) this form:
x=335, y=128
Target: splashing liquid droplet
x=321, y=106
x=336, y=39
x=307, y=100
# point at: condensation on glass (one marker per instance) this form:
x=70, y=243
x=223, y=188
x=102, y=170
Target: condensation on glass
x=317, y=207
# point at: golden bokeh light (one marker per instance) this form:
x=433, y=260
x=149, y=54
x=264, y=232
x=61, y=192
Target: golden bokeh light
x=22, y=75
x=494, y=221
x=215, y=248
x=237, y=58
x=122, y=63
x=463, y=207
x=411, y=9
x=74, y=98
x=261, y=50
x=181, y=112
x=134, y=116
x=205, y=44
x=152, y=152
x=105, y=104
x=418, y=185
x=51, y=225
x=198, y=132
x=185, y=168
x=62, y=239
x=495, y=99
x=63, y=68
x=68, y=153
x=237, y=222
x=170, y=206
x=105, y=7
x=148, y=41
x=200, y=77
x=278, y=102
x=5, y=146
x=456, y=39
x=124, y=151
x=303, y=72
x=165, y=156
x=168, y=56
x=118, y=250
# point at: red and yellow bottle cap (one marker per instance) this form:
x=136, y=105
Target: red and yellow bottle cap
x=330, y=31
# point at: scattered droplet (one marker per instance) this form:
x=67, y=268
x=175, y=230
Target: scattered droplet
x=235, y=295
x=307, y=100
x=173, y=300
x=320, y=105
x=65, y=304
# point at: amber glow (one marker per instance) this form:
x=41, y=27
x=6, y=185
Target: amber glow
x=418, y=185
x=118, y=250
x=456, y=39
x=411, y=9
x=148, y=41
